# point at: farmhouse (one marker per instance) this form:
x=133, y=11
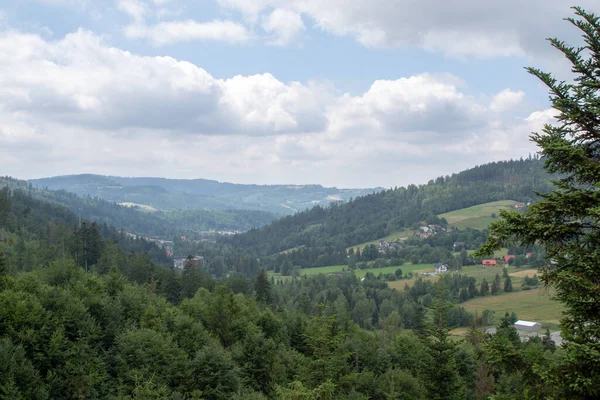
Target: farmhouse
x=488, y=263
x=458, y=245
x=519, y=205
x=528, y=325
x=441, y=268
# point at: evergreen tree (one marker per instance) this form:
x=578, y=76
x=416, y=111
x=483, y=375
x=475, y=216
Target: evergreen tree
x=494, y=288
x=3, y=266
x=485, y=288
x=442, y=380
x=566, y=221
x=263, y=287
x=508, y=284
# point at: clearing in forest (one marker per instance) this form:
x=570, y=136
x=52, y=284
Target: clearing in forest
x=477, y=217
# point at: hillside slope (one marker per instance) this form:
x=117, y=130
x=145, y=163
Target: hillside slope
x=152, y=224
x=377, y=215
x=199, y=194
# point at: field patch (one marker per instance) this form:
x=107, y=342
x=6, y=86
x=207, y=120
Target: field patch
x=477, y=217
x=524, y=273
x=532, y=305
x=143, y=207
x=392, y=237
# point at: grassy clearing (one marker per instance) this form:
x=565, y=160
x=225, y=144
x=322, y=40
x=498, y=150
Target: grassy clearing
x=360, y=273
x=403, y=234
x=497, y=254
x=477, y=217
x=142, y=207
x=532, y=305
x=523, y=273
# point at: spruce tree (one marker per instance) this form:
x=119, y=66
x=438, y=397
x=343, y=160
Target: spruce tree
x=566, y=221
x=3, y=266
x=442, y=380
x=263, y=287
x=508, y=284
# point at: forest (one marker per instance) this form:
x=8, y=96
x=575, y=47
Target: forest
x=89, y=313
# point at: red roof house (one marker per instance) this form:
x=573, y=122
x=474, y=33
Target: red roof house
x=488, y=263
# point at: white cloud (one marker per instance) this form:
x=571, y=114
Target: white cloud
x=78, y=105
x=506, y=100
x=284, y=26
x=461, y=28
x=182, y=31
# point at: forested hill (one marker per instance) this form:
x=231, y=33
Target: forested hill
x=159, y=224
x=199, y=194
x=377, y=215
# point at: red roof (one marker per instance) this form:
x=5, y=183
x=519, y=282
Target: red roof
x=488, y=262
x=508, y=258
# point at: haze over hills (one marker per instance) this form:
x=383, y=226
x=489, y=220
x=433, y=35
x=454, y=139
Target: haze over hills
x=156, y=224
x=200, y=194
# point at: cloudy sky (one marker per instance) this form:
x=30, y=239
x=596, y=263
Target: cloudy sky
x=347, y=93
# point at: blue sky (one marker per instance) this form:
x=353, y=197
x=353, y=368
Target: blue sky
x=343, y=93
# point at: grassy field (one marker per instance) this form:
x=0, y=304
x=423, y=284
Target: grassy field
x=362, y=272
x=532, y=305
x=497, y=254
x=403, y=234
x=477, y=217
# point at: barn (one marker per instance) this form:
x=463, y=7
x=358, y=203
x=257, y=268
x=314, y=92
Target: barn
x=528, y=325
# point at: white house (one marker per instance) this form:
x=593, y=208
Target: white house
x=441, y=268
x=528, y=325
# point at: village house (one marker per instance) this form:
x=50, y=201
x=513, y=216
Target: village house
x=458, y=245
x=527, y=255
x=488, y=263
x=519, y=205
x=441, y=268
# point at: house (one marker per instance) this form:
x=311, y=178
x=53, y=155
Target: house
x=458, y=245
x=488, y=263
x=518, y=204
x=441, y=268
x=527, y=255
x=507, y=259
x=424, y=229
x=527, y=325
x=179, y=262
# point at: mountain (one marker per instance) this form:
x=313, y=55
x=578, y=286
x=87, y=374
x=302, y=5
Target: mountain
x=199, y=194
x=374, y=216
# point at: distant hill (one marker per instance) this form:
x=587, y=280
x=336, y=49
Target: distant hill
x=377, y=215
x=134, y=219
x=200, y=194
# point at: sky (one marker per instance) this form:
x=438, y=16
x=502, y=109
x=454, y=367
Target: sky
x=360, y=93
